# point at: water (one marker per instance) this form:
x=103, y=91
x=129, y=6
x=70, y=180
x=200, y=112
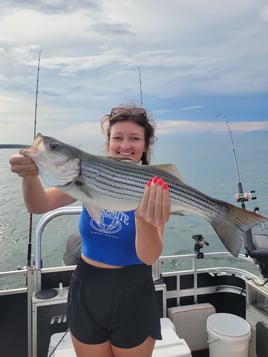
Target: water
x=205, y=162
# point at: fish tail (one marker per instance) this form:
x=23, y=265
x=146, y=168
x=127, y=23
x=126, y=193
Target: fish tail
x=231, y=228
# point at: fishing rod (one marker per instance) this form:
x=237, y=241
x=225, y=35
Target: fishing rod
x=253, y=247
x=29, y=253
x=141, y=98
x=241, y=196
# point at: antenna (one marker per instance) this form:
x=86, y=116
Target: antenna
x=141, y=99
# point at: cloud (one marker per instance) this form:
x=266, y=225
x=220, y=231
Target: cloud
x=264, y=13
x=193, y=107
x=174, y=127
x=91, y=50
x=50, y=6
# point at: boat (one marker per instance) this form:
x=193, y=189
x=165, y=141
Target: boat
x=33, y=320
x=195, y=300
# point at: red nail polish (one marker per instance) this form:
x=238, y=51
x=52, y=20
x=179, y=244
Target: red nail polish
x=160, y=181
x=155, y=179
x=165, y=186
x=149, y=183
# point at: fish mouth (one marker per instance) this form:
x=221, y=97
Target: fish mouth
x=59, y=166
x=37, y=141
x=37, y=146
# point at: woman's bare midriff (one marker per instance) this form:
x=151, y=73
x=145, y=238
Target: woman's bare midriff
x=99, y=264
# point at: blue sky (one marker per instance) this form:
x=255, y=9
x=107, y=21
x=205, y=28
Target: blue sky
x=198, y=58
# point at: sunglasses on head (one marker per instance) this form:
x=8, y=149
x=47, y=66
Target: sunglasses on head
x=128, y=111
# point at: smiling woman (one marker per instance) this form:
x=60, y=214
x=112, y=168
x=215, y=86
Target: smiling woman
x=118, y=248
x=143, y=126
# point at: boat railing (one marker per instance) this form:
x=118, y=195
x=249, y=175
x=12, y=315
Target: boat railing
x=5, y=288
x=158, y=266
x=45, y=219
x=213, y=270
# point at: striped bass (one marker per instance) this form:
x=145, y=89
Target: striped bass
x=102, y=182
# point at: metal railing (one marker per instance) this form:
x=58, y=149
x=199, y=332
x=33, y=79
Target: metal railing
x=157, y=267
x=46, y=218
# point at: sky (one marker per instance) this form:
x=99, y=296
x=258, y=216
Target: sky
x=194, y=64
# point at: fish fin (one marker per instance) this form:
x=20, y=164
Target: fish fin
x=83, y=188
x=170, y=169
x=95, y=212
x=231, y=230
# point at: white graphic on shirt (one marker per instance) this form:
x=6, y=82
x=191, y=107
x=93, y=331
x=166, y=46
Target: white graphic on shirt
x=110, y=222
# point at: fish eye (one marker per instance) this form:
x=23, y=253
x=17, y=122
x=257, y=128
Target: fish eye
x=54, y=146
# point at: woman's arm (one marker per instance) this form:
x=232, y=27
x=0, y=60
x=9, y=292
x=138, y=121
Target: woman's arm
x=37, y=199
x=151, y=216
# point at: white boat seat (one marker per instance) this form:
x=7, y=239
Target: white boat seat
x=170, y=345
x=190, y=323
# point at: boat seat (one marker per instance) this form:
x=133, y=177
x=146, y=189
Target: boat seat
x=190, y=323
x=170, y=345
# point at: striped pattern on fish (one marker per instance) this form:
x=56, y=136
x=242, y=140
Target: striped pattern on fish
x=102, y=182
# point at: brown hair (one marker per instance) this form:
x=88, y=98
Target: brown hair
x=137, y=115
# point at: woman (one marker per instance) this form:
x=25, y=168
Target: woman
x=112, y=307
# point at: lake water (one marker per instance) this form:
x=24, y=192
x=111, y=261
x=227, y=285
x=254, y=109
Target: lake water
x=204, y=161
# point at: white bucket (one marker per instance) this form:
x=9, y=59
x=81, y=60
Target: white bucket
x=228, y=335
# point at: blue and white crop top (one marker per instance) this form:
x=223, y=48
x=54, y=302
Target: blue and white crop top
x=112, y=241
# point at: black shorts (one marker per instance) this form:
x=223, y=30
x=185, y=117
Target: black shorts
x=118, y=305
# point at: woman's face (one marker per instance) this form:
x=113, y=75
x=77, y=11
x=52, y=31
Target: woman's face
x=127, y=141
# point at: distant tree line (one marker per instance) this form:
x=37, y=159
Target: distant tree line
x=13, y=146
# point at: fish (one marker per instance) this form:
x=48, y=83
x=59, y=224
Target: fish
x=103, y=182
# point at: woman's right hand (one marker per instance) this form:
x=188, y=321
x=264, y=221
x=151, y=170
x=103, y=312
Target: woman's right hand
x=22, y=165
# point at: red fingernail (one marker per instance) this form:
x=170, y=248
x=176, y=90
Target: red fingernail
x=165, y=186
x=160, y=181
x=149, y=183
x=155, y=179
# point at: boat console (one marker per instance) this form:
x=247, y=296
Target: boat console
x=257, y=248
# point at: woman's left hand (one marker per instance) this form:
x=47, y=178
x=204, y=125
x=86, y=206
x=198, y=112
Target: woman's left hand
x=155, y=204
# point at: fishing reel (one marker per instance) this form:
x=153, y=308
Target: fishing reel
x=199, y=244
x=245, y=196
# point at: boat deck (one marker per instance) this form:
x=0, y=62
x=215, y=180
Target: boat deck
x=29, y=316
x=226, y=293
